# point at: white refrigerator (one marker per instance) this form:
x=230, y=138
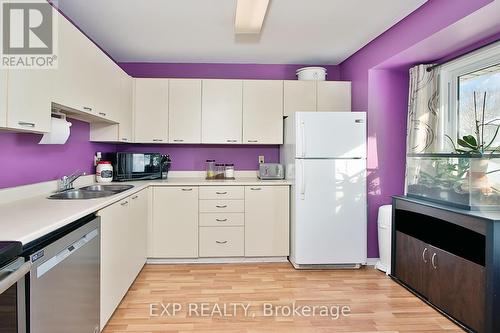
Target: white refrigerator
x=325, y=158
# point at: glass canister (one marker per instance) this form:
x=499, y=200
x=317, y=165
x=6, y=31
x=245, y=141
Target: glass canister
x=210, y=167
x=219, y=171
x=229, y=171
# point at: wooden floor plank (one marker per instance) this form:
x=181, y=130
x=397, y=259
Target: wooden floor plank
x=376, y=303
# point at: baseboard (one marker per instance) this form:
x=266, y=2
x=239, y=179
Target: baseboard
x=236, y=260
x=371, y=262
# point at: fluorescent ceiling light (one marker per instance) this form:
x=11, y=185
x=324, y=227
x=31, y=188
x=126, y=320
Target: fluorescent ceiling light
x=250, y=16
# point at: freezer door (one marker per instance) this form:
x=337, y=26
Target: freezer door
x=330, y=135
x=330, y=212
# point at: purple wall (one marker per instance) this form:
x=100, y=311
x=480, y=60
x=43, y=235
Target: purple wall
x=220, y=71
x=380, y=87
x=193, y=157
x=23, y=161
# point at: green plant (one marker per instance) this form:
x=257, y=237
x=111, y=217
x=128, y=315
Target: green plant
x=475, y=144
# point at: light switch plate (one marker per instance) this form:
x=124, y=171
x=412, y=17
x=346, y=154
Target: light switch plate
x=261, y=159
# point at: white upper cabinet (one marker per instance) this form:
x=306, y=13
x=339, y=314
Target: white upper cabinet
x=75, y=79
x=303, y=96
x=151, y=110
x=184, y=111
x=3, y=97
x=29, y=101
x=125, y=133
x=334, y=96
x=263, y=112
x=107, y=85
x=299, y=96
x=222, y=102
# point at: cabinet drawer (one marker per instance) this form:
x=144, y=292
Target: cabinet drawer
x=222, y=192
x=222, y=219
x=222, y=206
x=222, y=241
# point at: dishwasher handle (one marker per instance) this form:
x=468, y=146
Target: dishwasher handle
x=65, y=253
x=14, y=273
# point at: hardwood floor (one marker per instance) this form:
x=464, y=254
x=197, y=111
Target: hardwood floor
x=376, y=303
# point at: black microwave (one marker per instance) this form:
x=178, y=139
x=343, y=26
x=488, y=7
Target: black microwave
x=138, y=166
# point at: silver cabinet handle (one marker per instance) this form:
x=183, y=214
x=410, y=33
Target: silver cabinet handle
x=221, y=242
x=124, y=139
x=86, y=108
x=14, y=275
x=178, y=140
x=255, y=188
x=220, y=193
x=252, y=140
x=25, y=124
x=424, y=252
x=187, y=189
x=433, y=261
x=221, y=206
x=221, y=220
x=231, y=140
x=135, y=197
x=157, y=140
x=124, y=203
x=102, y=114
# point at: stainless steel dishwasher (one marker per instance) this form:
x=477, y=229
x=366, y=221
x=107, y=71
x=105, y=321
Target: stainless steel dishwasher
x=65, y=281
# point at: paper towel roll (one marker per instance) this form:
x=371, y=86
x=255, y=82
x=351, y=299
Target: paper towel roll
x=59, y=133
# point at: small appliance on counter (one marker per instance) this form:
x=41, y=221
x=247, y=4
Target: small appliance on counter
x=271, y=171
x=138, y=166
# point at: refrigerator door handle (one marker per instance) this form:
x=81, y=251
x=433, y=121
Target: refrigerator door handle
x=302, y=181
x=303, y=139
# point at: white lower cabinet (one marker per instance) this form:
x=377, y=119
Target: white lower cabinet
x=175, y=222
x=219, y=222
x=123, y=249
x=266, y=221
x=222, y=241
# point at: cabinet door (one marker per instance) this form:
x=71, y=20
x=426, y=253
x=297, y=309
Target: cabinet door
x=299, y=96
x=266, y=221
x=412, y=262
x=139, y=211
x=116, y=238
x=74, y=80
x=125, y=112
x=106, y=88
x=175, y=222
x=263, y=112
x=222, y=111
x=334, y=96
x=184, y=111
x=29, y=102
x=457, y=286
x=3, y=97
x=150, y=110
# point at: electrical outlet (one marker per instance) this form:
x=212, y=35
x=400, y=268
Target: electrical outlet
x=261, y=159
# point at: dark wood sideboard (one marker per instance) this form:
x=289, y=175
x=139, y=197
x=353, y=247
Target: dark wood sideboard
x=450, y=258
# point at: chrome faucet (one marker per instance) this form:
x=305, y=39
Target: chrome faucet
x=66, y=182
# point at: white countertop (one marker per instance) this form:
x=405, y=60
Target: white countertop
x=28, y=219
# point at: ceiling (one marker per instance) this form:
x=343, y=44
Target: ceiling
x=196, y=31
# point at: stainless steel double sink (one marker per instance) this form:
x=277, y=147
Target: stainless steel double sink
x=91, y=192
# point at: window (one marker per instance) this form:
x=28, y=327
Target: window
x=476, y=74
x=484, y=86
